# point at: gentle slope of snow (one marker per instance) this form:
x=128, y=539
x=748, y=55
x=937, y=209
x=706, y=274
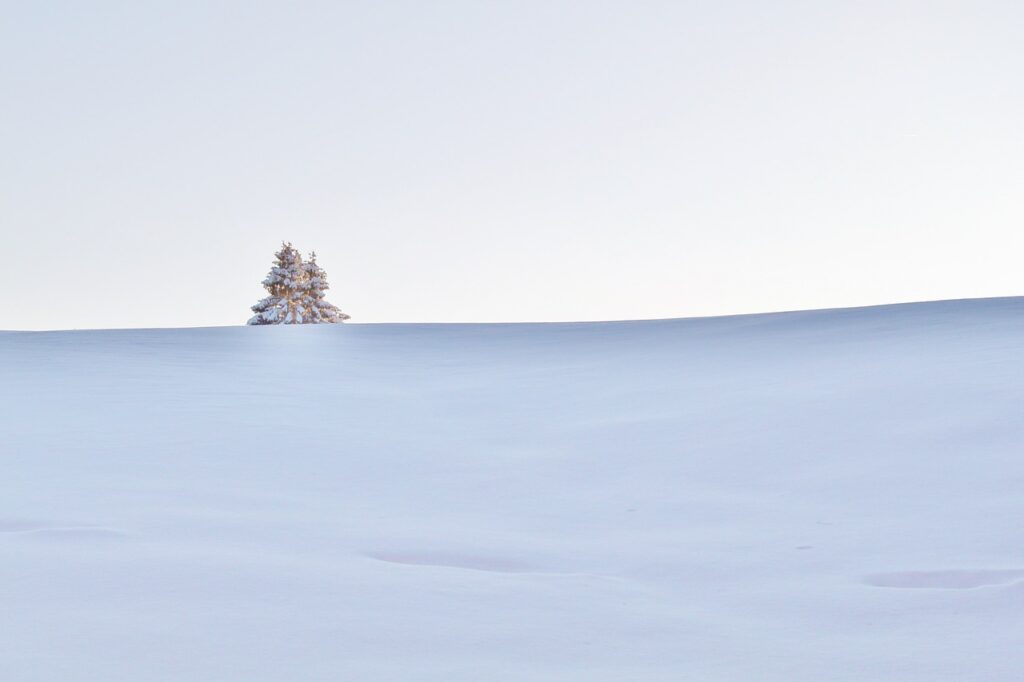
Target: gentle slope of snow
x=825, y=495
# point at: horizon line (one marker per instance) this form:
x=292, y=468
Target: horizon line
x=535, y=322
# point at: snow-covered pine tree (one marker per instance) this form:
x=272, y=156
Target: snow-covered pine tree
x=284, y=304
x=314, y=283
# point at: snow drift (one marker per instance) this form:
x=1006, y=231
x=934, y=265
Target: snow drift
x=825, y=495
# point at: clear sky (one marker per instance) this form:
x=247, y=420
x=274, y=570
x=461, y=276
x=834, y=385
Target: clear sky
x=516, y=160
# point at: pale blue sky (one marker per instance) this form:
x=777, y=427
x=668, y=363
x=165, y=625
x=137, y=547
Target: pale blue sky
x=485, y=161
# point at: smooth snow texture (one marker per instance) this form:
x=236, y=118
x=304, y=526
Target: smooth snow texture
x=829, y=495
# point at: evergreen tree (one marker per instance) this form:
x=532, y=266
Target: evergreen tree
x=317, y=310
x=283, y=305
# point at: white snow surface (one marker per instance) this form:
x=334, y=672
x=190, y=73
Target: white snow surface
x=825, y=495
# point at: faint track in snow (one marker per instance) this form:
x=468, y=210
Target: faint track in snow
x=54, y=533
x=944, y=580
x=491, y=563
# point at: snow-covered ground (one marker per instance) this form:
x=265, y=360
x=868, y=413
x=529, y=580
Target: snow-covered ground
x=824, y=495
